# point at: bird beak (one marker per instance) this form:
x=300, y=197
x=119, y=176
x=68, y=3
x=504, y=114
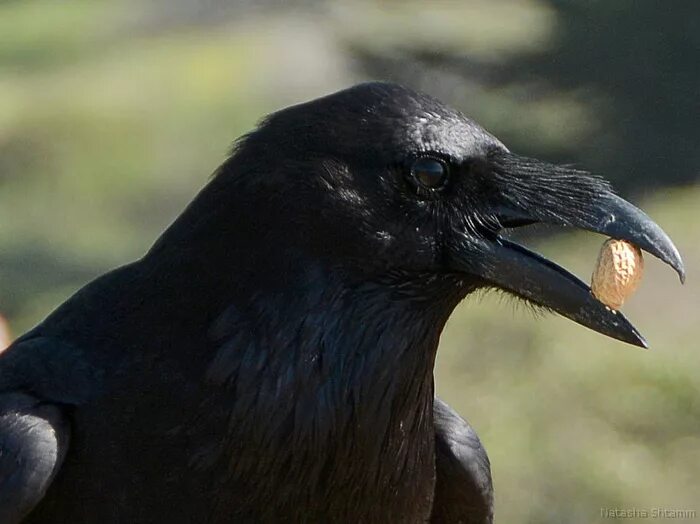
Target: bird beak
x=529, y=191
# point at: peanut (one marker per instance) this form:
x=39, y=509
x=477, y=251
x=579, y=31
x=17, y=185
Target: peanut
x=618, y=272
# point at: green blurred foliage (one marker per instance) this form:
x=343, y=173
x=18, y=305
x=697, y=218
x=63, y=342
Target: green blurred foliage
x=112, y=114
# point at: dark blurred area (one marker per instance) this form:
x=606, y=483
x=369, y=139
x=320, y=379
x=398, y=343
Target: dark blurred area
x=634, y=65
x=114, y=113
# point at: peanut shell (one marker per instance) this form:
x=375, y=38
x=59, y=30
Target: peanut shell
x=618, y=272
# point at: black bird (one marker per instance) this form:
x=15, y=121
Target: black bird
x=271, y=357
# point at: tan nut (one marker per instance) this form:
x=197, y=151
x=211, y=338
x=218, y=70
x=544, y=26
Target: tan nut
x=618, y=272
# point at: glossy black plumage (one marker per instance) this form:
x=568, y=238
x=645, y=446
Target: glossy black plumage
x=271, y=357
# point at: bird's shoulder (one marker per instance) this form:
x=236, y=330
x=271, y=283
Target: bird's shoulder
x=40, y=378
x=34, y=437
x=49, y=369
x=463, y=490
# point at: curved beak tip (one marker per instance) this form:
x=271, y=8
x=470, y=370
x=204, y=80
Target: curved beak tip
x=681, y=271
x=676, y=262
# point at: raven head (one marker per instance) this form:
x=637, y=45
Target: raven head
x=380, y=180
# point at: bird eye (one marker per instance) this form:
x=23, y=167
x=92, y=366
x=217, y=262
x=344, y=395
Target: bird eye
x=429, y=172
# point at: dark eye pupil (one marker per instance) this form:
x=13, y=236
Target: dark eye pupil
x=429, y=172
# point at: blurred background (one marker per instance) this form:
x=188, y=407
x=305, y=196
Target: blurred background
x=114, y=113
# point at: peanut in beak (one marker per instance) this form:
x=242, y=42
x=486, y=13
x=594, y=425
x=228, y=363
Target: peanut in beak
x=618, y=272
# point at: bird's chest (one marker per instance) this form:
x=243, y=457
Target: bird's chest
x=333, y=423
x=347, y=472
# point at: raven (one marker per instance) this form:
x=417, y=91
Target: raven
x=271, y=357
